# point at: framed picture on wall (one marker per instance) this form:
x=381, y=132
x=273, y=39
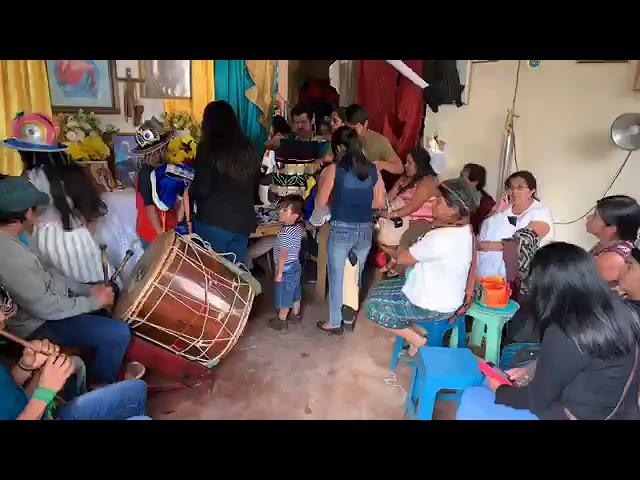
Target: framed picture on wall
x=165, y=78
x=126, y=165
x=83, y=84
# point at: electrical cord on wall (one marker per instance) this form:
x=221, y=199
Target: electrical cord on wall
x=603, y=195
x=513, y=109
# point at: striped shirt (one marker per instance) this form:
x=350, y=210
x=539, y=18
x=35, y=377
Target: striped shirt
x=289, y=237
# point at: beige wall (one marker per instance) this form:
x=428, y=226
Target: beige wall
x=562, y=135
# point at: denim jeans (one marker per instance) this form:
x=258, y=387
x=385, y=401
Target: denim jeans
x=119, y=401
x=289, y=290
x=223, y=241
x=107, y=339
x=343, y=238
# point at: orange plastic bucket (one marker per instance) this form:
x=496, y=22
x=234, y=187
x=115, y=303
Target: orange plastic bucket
x=495, y=291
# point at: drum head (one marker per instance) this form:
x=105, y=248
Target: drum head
x=145, y=271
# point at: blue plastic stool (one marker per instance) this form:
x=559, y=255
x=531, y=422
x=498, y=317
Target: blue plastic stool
x=440, y=368
x=436, y=329
x=488, y=324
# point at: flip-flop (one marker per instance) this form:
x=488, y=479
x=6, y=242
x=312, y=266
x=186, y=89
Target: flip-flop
x=134, y=371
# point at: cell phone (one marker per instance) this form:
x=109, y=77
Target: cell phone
x=491, y=370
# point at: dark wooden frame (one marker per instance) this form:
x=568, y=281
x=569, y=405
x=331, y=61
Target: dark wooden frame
x=141, y=76
x=115, y=109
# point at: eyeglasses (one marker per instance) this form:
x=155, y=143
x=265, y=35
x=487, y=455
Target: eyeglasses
x=518, y=187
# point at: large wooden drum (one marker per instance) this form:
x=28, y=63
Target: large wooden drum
x=188, y=299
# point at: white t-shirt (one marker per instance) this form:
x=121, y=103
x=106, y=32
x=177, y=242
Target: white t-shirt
x=497, y=227
x=537, y=212
x=438, y=281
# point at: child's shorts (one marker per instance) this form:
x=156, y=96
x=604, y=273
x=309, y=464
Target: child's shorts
x=289, y=290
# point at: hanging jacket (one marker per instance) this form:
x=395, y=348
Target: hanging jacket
x=444, y=83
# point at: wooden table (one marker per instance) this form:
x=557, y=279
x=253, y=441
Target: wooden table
x=321, y=262
x=271, y=229
x=266, y=230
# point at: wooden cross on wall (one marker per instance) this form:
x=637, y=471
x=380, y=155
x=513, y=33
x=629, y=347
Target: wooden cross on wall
x=132, y=106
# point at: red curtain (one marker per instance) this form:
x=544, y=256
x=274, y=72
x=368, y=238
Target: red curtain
x=394, y=103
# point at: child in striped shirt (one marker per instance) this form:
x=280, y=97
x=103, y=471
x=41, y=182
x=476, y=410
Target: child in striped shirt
x=286, y=253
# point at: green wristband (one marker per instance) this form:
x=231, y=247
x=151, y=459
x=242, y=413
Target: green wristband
x=44, y=394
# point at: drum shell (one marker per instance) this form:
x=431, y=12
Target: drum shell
x=191, y=303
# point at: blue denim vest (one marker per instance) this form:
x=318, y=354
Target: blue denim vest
x=351, y=197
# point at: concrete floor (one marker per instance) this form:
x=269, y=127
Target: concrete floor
x=301, y=373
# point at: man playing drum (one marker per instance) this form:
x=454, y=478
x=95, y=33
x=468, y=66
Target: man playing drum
x=52, y=306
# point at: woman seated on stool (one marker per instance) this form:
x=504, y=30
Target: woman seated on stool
x=588, y=352
x=417, y=189
x=435, y=286
x=615, y=222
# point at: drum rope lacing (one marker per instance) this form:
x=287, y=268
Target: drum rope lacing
x=199, y=342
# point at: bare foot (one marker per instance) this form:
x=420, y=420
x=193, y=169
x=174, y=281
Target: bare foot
x=413, y=349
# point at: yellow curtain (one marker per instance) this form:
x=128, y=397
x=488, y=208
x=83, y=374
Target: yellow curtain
x=262, y=72
x=23, y=88
x=202, y=90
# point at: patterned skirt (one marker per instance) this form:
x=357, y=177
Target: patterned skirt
x=390, y=308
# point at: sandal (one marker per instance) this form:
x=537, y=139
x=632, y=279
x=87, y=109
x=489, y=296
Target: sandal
x=331, y=331
x=278, y=324
x=295, y=319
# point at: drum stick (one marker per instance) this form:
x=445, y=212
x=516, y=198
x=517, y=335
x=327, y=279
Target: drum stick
x=19, y=341
x=105, y=262
x=26, y=344
x=127, y=256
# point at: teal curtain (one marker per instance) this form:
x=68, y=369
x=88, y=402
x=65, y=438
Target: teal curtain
x=232, y=81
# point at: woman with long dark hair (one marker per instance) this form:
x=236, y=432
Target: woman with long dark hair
x=414, y=195
x=588, y=362
x=477, y=175
x=352, y=187
x=226, y=168
x=615, y=222
x=63, y=235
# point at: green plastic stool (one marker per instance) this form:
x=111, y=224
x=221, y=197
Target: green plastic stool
x=488, y=324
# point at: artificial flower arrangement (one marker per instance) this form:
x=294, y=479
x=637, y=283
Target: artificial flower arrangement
x=182, y=121
x=182, y=150
x=85, y=137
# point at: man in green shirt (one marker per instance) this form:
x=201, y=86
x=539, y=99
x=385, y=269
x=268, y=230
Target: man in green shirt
x=376, y=147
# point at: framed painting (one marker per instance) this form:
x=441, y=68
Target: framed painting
x=126, y=165
x=83, y=84
x=165, y=78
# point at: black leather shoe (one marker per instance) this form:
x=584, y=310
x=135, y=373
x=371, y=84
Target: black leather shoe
x=331, y=331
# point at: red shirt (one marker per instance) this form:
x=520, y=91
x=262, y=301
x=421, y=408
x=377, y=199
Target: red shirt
x=144, y=198
x=486, y=205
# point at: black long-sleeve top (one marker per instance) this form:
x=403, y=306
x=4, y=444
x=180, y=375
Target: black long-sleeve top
x=590, y=388
x=222, y=201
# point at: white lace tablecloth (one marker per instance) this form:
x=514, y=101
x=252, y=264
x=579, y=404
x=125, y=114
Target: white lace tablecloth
x=117, y=229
